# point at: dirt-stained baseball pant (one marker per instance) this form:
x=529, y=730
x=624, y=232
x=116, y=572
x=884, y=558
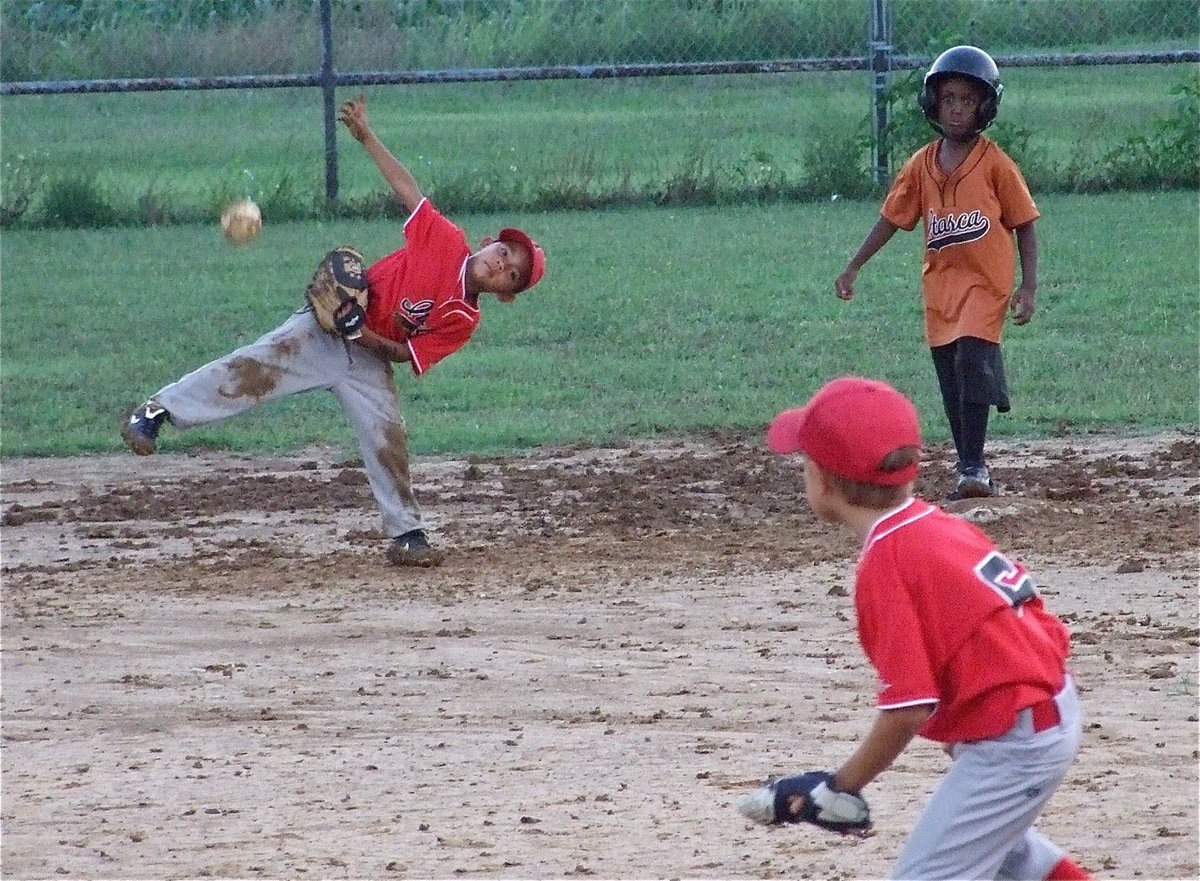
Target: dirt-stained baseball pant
x=979, y=822
x=298, y=357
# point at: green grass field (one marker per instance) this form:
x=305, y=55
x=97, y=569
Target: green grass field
x=649, y=322
x=495, y=146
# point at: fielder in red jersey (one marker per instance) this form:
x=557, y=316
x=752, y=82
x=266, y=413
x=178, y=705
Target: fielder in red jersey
x=965, y=650
x=423, y=305
x=976, y=654
x=418, y=294
x=424, y=301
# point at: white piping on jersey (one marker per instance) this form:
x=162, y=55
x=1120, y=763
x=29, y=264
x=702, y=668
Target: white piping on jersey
x=466, y=310
x=462, y=270
x=913, y=703
x=872, y=537
x=414, y=211
x=469, y=312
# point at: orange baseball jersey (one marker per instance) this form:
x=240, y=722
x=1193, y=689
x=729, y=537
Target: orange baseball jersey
x=970, y=256
x=947, y=619
x=417, y=293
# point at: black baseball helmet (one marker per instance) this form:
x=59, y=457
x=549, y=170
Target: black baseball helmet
x=972, y=63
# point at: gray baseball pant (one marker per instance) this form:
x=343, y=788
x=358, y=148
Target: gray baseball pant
x=979, y=822
x=298, y=356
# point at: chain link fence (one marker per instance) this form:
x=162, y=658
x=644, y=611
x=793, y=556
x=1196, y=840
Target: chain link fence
x=93, y=39
x=89, y=46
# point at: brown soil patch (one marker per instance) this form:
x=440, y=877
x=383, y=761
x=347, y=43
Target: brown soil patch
x=210, y=671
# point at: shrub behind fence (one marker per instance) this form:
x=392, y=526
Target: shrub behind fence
x=90, y=46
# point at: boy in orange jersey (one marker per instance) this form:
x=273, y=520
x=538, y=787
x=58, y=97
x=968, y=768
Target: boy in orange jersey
x=972, y=199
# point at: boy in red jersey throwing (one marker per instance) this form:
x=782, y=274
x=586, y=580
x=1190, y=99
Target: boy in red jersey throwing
x=423, y=305
x=965, y=651
x=972, y=200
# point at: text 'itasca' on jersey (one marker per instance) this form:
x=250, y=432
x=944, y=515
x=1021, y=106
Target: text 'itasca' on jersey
x=1010, y=580
x=955, y=229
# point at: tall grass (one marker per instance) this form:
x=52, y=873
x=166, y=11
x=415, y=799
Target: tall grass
x=177, y=157
x=650, y=321
x=57, y=39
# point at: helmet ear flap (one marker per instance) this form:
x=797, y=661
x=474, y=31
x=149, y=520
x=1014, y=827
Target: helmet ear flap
x=927, y=99
x=990, y=106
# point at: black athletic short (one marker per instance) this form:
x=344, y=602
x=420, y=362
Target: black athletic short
x=972, y=370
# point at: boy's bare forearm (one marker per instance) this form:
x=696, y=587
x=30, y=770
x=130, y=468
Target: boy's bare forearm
x=353, y=114
x=399, y=178
x=1027, y=248
x=891, y=733
x=881, y=233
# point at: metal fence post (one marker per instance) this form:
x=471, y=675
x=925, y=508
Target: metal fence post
x=881, y=68
x=328, y=82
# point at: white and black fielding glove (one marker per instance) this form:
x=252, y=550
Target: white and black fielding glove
x=808, y=798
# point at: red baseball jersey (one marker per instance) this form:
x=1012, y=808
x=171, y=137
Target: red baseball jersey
x=947, y=619
x=417, y=293
x=969, y=215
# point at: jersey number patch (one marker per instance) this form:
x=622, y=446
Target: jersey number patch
x=1006, y=578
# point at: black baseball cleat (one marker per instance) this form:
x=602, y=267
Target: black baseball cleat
x=413, y=549
x=973, y=483
x=141, y=428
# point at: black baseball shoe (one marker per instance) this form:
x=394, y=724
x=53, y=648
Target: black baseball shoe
x=413, y=549
x=973, y=483
x=141, y=428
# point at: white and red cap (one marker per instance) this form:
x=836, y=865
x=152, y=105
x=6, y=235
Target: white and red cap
x=537, y=257
x=848, y=428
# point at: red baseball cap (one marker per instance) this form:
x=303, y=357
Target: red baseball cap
x=537, y=257
x=848, y=427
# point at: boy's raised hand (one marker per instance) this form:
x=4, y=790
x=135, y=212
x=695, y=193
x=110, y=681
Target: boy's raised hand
x=354, y=114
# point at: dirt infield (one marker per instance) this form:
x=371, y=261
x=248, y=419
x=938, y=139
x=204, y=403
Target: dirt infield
x=210, y=671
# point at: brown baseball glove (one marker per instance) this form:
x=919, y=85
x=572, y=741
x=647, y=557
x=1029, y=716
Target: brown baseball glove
x=338, y=292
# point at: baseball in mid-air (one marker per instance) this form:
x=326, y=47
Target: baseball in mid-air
x=241, y=221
